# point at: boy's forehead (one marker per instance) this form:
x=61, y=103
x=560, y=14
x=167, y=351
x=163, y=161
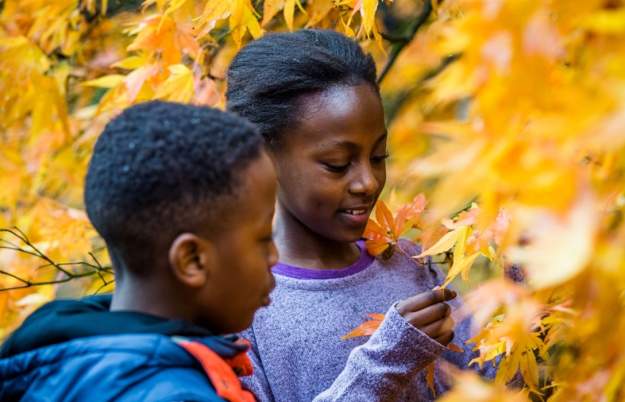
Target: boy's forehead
x=258, y=184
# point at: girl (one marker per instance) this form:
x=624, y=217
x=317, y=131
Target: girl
x=314, y=95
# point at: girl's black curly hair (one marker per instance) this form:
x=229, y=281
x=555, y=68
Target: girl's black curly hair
x=269, y=75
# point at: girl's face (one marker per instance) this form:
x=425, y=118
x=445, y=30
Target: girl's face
x=331, y=163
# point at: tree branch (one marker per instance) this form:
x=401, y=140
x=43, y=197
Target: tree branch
x=393, y=107
x=401, y=42
x=29, y=248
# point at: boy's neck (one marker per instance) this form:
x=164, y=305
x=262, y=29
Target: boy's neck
x=299, y=246
x=142, y=297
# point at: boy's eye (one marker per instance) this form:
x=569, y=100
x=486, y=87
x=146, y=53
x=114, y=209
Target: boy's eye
x=336, y=168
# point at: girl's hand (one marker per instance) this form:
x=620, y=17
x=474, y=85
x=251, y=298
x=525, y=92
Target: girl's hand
x=429, y=313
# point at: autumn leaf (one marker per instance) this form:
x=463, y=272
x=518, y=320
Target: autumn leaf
x=179, y=86
x=461, y=262
x=430, y=370
x=108, y=81
x=444, y=244
x=542, y=169
x=455, y=348
x=270, y=9
x=367, y=328
x=383, y=232
x=470, y=387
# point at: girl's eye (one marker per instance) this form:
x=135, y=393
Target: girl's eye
x=336, y=168
x=379, y=159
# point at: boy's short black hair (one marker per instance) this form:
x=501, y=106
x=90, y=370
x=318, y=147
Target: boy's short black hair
x=160, y=169
x=267, y=77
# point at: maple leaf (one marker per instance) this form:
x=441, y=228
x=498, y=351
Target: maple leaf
x=430, y=371
x=366, y=328
x=470, y=387
x=383, y=232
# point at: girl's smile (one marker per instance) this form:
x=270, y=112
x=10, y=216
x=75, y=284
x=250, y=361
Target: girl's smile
x=331, y=166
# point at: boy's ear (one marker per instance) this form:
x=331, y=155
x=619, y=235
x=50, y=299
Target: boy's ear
x=192, y=259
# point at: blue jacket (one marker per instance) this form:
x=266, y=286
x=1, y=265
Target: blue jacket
x=59, y=356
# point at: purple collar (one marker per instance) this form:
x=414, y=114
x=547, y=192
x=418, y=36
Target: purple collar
x=291, y=271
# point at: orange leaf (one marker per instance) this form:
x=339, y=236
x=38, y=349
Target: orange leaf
x=366, y=328
x=409, y=214
x=377, y=239
x=385, y=218
x=455, y=348
x=429, y=377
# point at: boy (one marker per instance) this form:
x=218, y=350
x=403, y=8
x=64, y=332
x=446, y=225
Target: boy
x=183, y=196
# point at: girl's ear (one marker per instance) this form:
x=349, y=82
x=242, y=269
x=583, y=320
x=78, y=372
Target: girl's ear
x=192, y=259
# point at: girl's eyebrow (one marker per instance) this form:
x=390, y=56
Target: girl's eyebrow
x=382, y=137
x=349, y=145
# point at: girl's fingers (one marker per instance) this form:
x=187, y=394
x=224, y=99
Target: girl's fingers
x=423, y=300
x=438, y=328
x=446, y=338
x=428, y=315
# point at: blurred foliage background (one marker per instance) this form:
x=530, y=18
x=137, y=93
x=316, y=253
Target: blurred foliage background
x=506, y=120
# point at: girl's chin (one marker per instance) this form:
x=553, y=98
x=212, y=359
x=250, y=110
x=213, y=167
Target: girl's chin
x=349, y=234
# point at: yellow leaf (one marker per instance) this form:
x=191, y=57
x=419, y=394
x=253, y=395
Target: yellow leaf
x=559, y=246
x=444, y=244
x=461, y=265
x=214, y=10
x=179, y=86
x=289, y=10
x=108, y=81
x=270, y=9
x=318, y=10
x=606, y=21
x=130, y=63
x=367, y=11
x=135, y=80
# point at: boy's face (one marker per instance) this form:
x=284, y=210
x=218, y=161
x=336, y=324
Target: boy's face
x=331, y=164
x=244, y=252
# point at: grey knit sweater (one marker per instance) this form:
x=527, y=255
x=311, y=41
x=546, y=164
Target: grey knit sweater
x=297, y=351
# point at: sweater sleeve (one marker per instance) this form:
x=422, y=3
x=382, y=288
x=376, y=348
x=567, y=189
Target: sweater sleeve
x=256, y=383
x=382, y=367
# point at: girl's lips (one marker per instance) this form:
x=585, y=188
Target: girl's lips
x=355, y=216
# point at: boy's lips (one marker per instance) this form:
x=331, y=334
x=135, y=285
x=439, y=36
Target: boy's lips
x=266, y=299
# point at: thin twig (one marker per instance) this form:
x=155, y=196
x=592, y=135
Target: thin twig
x=398, y=46
x=28, y=284
x=95, y=268
x=392, y=108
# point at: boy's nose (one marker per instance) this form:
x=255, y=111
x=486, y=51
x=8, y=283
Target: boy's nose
x=273, y=255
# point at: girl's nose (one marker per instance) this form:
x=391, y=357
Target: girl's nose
x=364, y=182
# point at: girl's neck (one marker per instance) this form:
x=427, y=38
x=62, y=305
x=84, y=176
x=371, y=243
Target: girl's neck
x=299, y=246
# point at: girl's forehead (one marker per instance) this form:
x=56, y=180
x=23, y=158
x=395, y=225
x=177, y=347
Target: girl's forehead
x=338, y=117
x=339, y=101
